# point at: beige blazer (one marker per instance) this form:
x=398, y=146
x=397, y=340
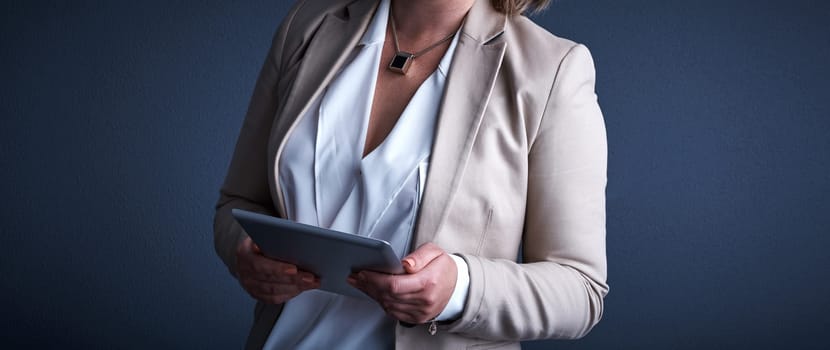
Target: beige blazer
x=518, y=169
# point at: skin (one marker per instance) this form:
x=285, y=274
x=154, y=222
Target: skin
x=422, y=293
x=417, y=296
x=268, y=280
x=419, y=25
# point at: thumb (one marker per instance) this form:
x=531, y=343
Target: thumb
x=421, y=257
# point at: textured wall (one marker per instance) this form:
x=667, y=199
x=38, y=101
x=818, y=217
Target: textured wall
x=117, y=120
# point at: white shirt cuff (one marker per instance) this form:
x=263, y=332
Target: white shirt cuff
x=455, y=306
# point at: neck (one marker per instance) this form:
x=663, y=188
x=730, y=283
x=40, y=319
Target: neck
x=418, y=17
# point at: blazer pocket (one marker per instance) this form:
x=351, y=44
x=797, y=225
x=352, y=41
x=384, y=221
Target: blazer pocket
x=495, y=345
x=483, y=237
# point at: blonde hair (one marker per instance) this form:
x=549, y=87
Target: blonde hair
x=517, y=7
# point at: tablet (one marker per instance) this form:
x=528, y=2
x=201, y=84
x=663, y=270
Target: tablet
x=331, y=255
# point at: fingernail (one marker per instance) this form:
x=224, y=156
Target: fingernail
x=351, y=280
x=307, y=279
x=290, y=270
x=409, y=263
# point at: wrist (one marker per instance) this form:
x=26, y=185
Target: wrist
x=455, y=306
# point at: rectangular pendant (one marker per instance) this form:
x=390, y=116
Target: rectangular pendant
x=400, y=63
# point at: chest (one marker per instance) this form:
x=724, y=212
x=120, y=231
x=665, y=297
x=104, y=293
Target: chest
x=394, y=91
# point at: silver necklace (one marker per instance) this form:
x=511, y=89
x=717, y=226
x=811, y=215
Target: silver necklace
x=402, y=60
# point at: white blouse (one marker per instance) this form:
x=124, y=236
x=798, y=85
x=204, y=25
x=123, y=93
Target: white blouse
x=328, y=183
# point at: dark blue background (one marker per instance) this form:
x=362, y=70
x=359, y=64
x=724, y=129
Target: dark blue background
x=119, y=118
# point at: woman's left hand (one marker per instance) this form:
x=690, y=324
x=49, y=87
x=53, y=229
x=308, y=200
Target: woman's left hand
x=417, y=296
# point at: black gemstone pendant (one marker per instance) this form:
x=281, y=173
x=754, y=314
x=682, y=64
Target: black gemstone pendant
x=401, y=62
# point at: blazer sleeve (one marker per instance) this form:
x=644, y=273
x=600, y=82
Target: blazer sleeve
x=246, y=183
x=558, y=289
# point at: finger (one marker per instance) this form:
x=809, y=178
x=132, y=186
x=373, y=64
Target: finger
x=353, y=281
x=422, y=298
x=273, y=271
x=421, y=257
x=307, y=279
x=265, y=290
x=248, y=252
x=248, y=247
x=269, y=270
x=298, y=277
x=369, y=283
x=245, y=245
x=396, y=285
x=439, y=273
x=438, y=282
x=268, y=265
x=274, y=289
x=415, y=299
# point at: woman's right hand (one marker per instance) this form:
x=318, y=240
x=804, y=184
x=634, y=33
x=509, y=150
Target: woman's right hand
x=268, y=280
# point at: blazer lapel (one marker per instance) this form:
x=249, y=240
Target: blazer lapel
x=327, y=51
x=475, y=65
